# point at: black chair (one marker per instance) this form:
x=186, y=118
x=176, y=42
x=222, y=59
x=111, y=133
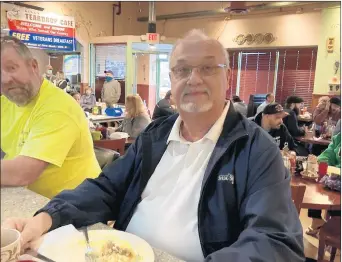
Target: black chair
x=254, y=102
x=105, y=156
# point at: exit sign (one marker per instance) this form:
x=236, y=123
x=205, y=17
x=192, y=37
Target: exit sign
x=152, y=38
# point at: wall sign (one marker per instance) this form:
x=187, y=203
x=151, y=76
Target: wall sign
x=257, y=39
x=42, y=30
x=330, y=44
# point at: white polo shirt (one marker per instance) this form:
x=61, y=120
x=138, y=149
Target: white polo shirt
x=167, y=215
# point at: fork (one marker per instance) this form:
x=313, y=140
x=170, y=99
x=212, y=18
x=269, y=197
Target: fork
x=89, y=253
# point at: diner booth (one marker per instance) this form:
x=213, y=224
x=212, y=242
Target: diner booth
x=140, y=67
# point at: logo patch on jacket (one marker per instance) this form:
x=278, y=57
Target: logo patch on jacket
x=277, y=140
x=228, y=177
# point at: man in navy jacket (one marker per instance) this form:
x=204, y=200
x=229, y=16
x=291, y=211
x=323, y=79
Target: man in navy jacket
x=204, y=185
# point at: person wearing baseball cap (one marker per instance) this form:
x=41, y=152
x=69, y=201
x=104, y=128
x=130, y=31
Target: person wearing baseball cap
x=111, y=90
x=292, y=107
x=327, y=109
x=271, y=120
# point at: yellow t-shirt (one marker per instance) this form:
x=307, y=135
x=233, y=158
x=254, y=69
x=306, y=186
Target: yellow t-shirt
x=52, y=128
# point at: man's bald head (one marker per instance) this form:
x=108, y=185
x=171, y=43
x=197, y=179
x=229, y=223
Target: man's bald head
x=197, y=35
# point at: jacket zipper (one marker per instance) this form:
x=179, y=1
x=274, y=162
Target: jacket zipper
x=201, y=198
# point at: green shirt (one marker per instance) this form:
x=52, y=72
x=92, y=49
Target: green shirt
x=332, y=155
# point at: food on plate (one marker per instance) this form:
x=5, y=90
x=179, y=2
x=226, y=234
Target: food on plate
x=115, y=250
x=111, y=252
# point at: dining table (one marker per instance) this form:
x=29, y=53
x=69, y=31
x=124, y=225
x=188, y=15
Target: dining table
x=22, y=202
x=317, y=196
x=98, y=119
x=314, y=141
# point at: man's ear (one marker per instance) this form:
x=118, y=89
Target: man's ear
x=34, y=65
x=229, y=74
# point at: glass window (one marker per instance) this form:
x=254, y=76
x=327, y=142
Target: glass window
x=110, y=57
x=71, y=65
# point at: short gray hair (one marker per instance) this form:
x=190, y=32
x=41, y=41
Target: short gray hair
x=19, y=46
x=198, y=34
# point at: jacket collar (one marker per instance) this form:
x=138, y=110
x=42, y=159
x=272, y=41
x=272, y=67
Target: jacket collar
x=233, y=126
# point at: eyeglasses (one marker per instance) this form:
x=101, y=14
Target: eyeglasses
x=181, y=72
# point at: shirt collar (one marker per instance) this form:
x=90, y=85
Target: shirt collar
x=212, y=135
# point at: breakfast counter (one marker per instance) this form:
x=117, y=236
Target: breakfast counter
x=21, y=202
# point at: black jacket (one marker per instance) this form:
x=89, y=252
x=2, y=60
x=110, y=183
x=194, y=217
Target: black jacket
x=245, y=211
x=281, y=135
x=291, y=122
x=163, y=108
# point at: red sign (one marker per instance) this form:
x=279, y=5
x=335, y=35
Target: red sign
x=28, y=27
x=152, y=38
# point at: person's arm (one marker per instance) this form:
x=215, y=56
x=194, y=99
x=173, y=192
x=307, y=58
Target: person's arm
x=21, y=171
x=337, y=128
x=95, y=200
x=292, y=125
x=93, y=101
x=118, y=90
x=289, y=139
x=328, y=155
x=320, y=115
x=271, y=227
x=42, y=147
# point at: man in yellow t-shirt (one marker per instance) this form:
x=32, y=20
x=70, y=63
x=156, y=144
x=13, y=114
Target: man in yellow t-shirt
x=44, y=132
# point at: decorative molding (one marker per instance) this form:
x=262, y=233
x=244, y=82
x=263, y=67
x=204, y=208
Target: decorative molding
x=257, y=39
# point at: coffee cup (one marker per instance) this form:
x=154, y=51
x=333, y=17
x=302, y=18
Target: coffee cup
x=96, y=135
x=10, y=245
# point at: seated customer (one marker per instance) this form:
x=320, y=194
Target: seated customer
x=204, y=185
x=239, y=106
x=327, y=109
x=292, y=107
x=271, y=120
x=269, y=100
x=332, y=156
x=76, y=96
x=44, y=134
x=88, y=100
x=136, y=116
x=164, y=107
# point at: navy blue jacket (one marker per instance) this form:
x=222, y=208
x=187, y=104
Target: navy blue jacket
x=245, y=212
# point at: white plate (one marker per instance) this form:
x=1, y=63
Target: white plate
x=72, y=249
x=118, y=135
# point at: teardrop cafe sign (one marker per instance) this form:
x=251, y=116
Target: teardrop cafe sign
x=42, y=30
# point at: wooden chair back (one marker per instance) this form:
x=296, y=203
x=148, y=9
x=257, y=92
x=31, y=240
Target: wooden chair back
x=113, y=144
x=298, y=192
x=329, y=235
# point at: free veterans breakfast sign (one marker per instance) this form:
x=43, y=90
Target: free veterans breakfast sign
x=42, y=30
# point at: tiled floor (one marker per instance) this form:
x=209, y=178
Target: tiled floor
x=311, y=243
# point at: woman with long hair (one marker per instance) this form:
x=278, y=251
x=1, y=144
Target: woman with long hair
x=136, y=116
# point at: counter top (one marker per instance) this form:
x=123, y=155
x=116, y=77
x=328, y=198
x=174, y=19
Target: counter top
x=21, y=202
